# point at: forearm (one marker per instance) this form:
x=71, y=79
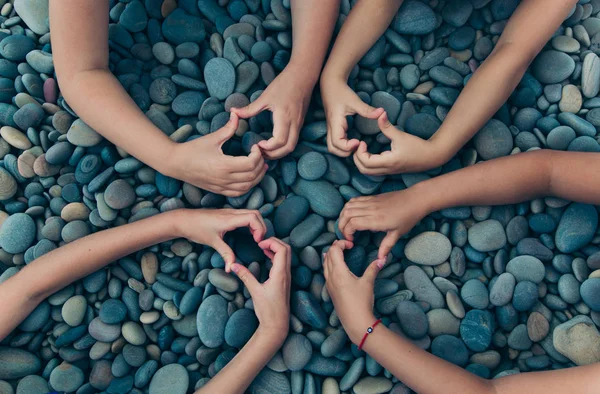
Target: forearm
x=365, y=24
x=241, y=371
x=312, y=23
x=119, y=120
x=62, y=266
x=517, y=178
x=500, y=73
x=415, y=367
x=494, y=80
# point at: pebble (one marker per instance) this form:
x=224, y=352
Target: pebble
x=428, y=248
x=66, y=377
x=576, y=227
x=220, y=77
x=17, y=233
x=17, y=363
x=211, y=320
x=493, y=140
x=578, y=339
x=412, y=319
x=172, y=378
x=419, y=283
x=552, y=67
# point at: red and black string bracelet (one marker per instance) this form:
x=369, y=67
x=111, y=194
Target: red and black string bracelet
x=369, y=330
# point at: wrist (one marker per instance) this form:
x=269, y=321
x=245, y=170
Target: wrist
x=357, y=329
x=168, y=163
x=306, y=72
x=274, y=336
x=175, y=222
x=334, y=75
x=427, y=196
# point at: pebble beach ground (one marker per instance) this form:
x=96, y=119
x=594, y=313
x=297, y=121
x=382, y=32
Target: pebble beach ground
x=496, y=290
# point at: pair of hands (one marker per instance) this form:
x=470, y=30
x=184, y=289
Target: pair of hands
x=272, y=298
x=203, y=162
x=408, y=153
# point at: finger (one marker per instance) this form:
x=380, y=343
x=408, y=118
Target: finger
x=336, y=252
x=325, y=260
x=387, y=244
x=281, y=131
x=246, y=277
x=227, y=131
x=365, y=110
x=269, y=254
x=252, y=109
x=282, y=258
x=337, y=140
x=225, y=251
x=289, y=146
x=368, y=163
x=387, y=128
x=244, y=164
x=345, y=217
x=253, y=220
x=245, y=186
x=372, y=270
x=358, y=223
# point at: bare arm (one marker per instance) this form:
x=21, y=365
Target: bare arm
x=507, y=180
x=494, y=81
x=271, y=302
x=80, y=48
x=364, y=25
x=500, y=73
x=422, y=371
x=61, y=267
x=288, y=96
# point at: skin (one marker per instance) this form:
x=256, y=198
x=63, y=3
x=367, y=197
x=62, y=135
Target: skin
x=507, y=180
x=495, y=80
x=272, y=307
x=353, y=300
x=24, y=291
x=80, y=52
x=288, y=96
x=57, y=269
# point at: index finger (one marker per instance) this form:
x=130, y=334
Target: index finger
x=281, y=258
x=337, y=135
x=335, y=254
x=245, y=163
x=250, y=219
x=281, y=130
x=371, y=163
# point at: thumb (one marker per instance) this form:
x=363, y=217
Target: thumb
x=387, y=244
x=366, y=111
x=227, y=131
x=226, y=253
x=387, y=128
x=373, y=269
x=250, y=110
x=246, y=277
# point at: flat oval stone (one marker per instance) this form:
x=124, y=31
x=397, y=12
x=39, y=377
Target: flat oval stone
x=487, y=236
x=73, y=311
x=180, y=27
x=8, y=185
x=307, y=231
x=560, y=137
x=104, y=332
x=268, y=381
x=211, y=320
x=526, y=268
x=590, y=293
x=312, y=166
x=412, y=319
x=476, y=330
x=372, y=385
x=576, y=227
x=296, y=351
x=80, y=134
x=172, y=378
x=501, y=292
x=419, y=283
x=112, y=311
x=17, y=363
x=475, y=294
x=552, y=67
x=525, y=296
x=324, y=199
x=220, y=78
x=32, y=384
x=306, y=308
x=119, y=194
x=415, y=18
x=17, y=233
x=493, y=140
x=66, y=377
x=428, y=248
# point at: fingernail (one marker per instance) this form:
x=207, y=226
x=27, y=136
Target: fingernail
x=235, y=268
x=381, y=263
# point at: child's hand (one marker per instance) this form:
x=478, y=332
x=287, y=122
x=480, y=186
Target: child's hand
x=409, y=153
x=396, y=213
x=208, y=227
x=202, y=163
x=287, y=97
x=341, y=101
x=352, y=297
x=272, y=298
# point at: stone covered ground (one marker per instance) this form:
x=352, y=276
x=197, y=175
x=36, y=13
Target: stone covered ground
x=496, y=290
